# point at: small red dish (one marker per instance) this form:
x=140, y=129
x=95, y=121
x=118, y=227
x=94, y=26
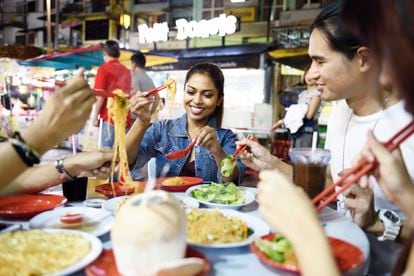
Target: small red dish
x=191, y=181
x=105, y=265
x=120, y=190
x=27, y=206
x=347, y=255
x=71, y=218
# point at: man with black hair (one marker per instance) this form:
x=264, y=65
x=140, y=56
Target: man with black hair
x=140, y=80
x=110, y=76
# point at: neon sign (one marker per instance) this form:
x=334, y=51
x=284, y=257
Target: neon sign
x=222, y=25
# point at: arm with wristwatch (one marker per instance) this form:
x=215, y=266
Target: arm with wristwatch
x=64, y=113
x=396, y=184
x=38, y=178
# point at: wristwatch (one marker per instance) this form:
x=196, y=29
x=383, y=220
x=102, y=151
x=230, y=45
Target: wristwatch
x=392, y=224
x=61, y=169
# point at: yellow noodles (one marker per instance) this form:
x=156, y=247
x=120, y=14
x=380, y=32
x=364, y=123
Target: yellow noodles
x=37, y=252
x=171, y=86
x=207, y=227
x=118, y=110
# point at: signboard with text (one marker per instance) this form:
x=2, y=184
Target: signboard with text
x=222, y=26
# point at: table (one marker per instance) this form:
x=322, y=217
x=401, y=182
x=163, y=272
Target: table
x=239, y=261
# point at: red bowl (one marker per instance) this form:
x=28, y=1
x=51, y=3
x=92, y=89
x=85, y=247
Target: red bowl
x=27, y=206
x=347, y=255
x=105, y=265
x=191, y=181
x=119, y=189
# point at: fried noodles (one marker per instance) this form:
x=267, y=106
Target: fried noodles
x=37, y=252
x=209, y=227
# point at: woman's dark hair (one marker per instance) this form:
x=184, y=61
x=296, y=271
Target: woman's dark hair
x=330, y=23
x=216, y=75
x=111, y=47
x=139, y=60
x=305, y=71
x=387, y=28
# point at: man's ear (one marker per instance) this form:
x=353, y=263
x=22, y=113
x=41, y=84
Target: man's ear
x=365, y=60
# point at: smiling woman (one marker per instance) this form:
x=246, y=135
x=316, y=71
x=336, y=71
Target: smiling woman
x=203, y=103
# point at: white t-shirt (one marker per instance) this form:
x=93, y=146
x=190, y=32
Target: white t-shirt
x=384, y=123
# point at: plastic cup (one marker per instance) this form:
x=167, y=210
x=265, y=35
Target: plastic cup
x=309, y=169
x=75, y=190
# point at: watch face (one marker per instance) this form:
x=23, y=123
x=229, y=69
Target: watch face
x=389, y=215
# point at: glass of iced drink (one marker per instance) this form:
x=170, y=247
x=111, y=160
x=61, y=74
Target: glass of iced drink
x=309, y=168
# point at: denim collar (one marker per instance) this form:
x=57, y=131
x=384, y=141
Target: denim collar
x=179, y=129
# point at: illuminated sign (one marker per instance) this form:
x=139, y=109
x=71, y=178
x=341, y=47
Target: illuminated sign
x=222, y=25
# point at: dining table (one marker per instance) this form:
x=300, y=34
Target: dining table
x=240, y=260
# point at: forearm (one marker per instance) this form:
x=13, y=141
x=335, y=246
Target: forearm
x=378, y=229
x=405, y=200
x=34, y=179
x=133, y=139
x=318, y=245
x=11, y=165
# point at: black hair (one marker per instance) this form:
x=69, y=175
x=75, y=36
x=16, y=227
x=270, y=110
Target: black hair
x=216, y=75
x=111, y=48
x=331, y=24
x=139, y=59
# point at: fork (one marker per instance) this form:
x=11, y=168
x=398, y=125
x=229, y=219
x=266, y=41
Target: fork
x=181, y=153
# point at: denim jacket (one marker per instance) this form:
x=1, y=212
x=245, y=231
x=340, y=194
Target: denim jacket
x=166, y=136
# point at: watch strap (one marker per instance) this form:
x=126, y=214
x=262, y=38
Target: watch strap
x=28, y=155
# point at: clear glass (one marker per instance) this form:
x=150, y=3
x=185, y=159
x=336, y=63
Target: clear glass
x=309, y=168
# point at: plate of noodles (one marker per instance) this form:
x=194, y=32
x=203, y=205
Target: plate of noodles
x=213, y=228
x=178, y=183
x=47, y=252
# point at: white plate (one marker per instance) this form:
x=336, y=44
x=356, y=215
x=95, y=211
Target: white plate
x=110, y=204
x=96, y=249
x=258, y=226
x=249, y=198
x=95, y=222
x=187, y=202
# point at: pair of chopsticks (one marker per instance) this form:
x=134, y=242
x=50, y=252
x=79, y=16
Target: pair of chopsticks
x=242, y=148
x=103, y=93
x=362, y=168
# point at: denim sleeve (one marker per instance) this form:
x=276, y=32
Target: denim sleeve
x=229, y=147
x=147, y=148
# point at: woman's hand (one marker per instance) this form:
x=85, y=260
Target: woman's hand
x=141, y=106
x=208, y=138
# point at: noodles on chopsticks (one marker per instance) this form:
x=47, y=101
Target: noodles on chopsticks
x=171, y=87
x=118, y=110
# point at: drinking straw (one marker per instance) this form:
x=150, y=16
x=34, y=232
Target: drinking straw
x=100, y=134
x=74, y=144
x=314, y=140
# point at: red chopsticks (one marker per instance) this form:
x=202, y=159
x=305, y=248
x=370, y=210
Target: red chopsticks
x=242, y=148
x=155, y=90
x=356, y=172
